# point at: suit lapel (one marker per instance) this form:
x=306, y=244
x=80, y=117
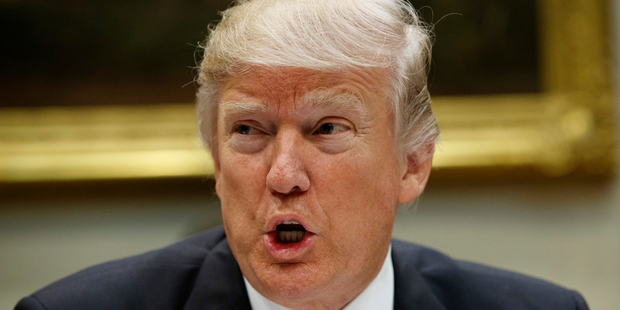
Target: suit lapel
x=410, y=289
x=219, y=284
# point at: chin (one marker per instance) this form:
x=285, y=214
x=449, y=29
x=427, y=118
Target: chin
x=299, y=282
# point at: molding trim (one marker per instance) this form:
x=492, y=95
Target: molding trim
x=567, y=129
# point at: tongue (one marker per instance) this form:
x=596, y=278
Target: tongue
x=291, y=236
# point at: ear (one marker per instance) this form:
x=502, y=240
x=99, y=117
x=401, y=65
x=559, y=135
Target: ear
x=414, y=180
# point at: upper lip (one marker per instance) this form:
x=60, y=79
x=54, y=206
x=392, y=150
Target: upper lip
x=279, y=219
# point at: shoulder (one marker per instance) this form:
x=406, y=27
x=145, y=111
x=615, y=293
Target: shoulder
x=464, y=285
x=163, y=278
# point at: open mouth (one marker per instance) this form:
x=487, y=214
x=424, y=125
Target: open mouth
x=290, y=232
x=288, y=241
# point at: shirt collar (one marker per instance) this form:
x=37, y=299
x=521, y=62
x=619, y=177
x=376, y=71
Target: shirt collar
x=379, y=294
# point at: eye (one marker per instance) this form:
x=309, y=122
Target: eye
x=244, y=129
x=326, y=128
x=331, y=128
x=333, y=135
x=248, y=137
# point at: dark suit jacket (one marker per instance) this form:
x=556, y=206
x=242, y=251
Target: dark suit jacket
x=201, y=273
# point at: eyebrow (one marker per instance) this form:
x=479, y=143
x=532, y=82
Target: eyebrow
x=241, y=107
x=318, y=98
x=333, y=99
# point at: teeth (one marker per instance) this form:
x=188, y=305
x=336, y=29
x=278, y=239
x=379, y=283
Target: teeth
x=291, y=236
x=290, y=232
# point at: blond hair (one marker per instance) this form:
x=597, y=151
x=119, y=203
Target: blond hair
x=325, y=35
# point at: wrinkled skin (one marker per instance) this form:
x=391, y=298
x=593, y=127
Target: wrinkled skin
x=318, y=148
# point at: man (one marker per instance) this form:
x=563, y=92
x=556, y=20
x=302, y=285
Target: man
x=318, y=119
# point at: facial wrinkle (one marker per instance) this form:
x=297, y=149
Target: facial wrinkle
x=333, y=99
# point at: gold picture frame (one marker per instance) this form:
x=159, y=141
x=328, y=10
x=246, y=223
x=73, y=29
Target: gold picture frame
x=565, y=129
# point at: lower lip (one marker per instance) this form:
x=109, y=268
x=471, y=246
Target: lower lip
x=287, y=251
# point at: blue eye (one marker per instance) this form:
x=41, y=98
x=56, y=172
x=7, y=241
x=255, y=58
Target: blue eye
x=326, y=129
x=244, y=129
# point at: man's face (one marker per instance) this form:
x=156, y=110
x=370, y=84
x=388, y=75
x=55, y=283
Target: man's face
x=308, y=181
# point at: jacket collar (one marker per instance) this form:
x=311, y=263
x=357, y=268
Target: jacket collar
x=219, y=284
x=411, y=291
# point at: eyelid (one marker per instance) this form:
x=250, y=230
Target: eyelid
x=337, y=123
x=237, y=129
x=253, y=125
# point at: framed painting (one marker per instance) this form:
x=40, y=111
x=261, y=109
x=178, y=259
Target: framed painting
x=537, y=101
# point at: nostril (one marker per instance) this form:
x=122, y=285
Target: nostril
x=287, y=183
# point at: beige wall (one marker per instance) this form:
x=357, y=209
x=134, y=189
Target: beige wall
x=568, y=233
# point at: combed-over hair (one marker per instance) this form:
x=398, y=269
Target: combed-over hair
x=325, y=35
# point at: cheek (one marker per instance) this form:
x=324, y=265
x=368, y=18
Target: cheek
x=357, y=187
x=240, y=188
x=239, y=169
x=240, y=184
x=359, y=199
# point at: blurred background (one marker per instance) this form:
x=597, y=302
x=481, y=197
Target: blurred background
x=84, y=73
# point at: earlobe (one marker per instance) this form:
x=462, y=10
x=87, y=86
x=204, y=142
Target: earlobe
x=414, y=180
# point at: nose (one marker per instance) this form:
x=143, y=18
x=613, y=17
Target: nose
x=287, y=173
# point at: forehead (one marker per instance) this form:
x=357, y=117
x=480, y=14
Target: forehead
x=361, y=87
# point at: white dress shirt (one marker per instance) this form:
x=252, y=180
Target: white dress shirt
x=378, y=295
